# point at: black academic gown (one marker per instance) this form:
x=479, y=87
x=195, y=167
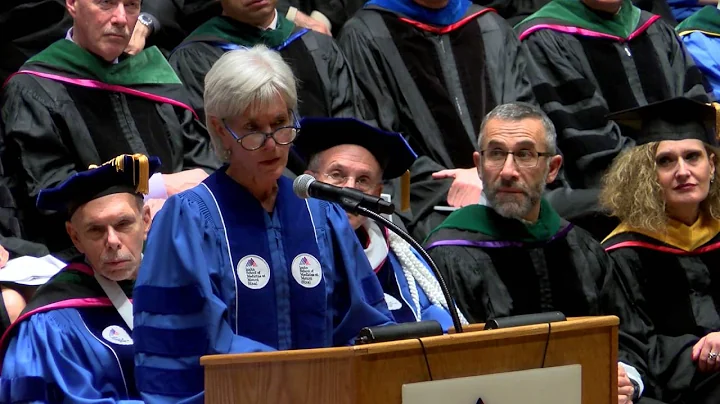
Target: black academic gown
x=514, y=11
x=492, y=278
x=435, y=85
x=26, y=28
x=677, y=294
x=494, y=268
x=326, y=86
x=177, y=19
x=53, y=129
x=580, y=78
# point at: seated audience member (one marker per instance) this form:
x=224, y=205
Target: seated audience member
x=326, y=83
x=514, y=11
x=515, y=255
x=701, y=35
x=72, y=343
x=81, y=101
x=595, y=57
x=239, y=263
x=165, y=23
x=431, y=70
x=667, y=248
x=348, y=153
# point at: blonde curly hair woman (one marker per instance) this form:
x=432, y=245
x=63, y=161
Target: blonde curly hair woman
x=667, y=248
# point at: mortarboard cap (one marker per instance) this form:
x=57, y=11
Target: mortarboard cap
x=389, y=148
x=674, y=119
x=125, y=173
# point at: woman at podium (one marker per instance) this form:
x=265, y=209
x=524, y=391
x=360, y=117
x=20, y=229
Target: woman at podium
x=239, y=263
x=667, y=249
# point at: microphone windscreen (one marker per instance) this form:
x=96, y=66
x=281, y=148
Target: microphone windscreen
x=525, y=319
x=394, y=332
x=301, y=185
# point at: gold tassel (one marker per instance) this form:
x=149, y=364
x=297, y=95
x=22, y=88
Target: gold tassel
x=405, y=191
x=141, y=179
x=143, y=184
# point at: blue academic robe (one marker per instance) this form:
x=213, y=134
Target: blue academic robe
x=75, y=350
x=395, y=284
x=220, y=275
x=705, y=50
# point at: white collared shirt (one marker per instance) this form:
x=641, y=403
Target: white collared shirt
x=273, y=23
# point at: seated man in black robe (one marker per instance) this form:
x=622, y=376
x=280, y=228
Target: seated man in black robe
x=596, y=57
x=326, y=86
x=166, y=23
x=81, y=102
x=431, y=70
x=516, y=255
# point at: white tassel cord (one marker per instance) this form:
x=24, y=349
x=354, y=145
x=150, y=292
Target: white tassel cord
x=417, y=273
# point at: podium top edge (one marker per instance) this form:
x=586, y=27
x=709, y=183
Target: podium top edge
x=471, y=335
x=586, y=321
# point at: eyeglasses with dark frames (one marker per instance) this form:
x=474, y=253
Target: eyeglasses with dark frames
x=524, y=158
x=283, y=135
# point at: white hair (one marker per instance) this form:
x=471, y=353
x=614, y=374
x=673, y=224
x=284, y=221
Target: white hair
x=244, y=78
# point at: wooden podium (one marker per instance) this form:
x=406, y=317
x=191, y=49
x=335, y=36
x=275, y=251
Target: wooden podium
x=375, y=373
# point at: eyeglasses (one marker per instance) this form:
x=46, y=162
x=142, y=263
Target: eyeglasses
x=254, y=140
x=363, y=184
x=522, y=158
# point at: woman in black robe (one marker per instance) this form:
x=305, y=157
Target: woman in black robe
x=667, y=249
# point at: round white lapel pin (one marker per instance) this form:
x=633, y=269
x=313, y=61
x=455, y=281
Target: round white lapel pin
x=253, y=271
x=117, y=335
x=307, y=271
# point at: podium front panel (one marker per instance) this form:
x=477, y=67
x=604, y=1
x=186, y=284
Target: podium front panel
x=375, y=373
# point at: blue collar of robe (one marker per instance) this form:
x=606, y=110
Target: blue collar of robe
x=450, y=14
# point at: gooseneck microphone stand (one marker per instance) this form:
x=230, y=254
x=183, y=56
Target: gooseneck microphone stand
x=354, y=207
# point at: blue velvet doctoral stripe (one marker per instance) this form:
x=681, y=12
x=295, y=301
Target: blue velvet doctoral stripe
x=24, y=389
x=450, y=14
x=161, y=300
x=164, y=342
x=282, y=314
x=309, y=305
x=226, y=46
x=170, y=382
x=391, y=286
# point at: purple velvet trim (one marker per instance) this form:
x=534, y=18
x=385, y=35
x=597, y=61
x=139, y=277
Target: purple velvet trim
x=499, y=244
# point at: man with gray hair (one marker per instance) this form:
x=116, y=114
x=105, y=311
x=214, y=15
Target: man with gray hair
x=515, y=255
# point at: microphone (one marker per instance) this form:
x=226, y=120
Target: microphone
x=525, y=319
x=354, y=201
x=305, y=186
x=394, y=332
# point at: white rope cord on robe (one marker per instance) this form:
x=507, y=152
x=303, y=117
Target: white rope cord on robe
x=417, y=273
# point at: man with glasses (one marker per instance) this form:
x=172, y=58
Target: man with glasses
x=516, y=255
x=348, y=153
